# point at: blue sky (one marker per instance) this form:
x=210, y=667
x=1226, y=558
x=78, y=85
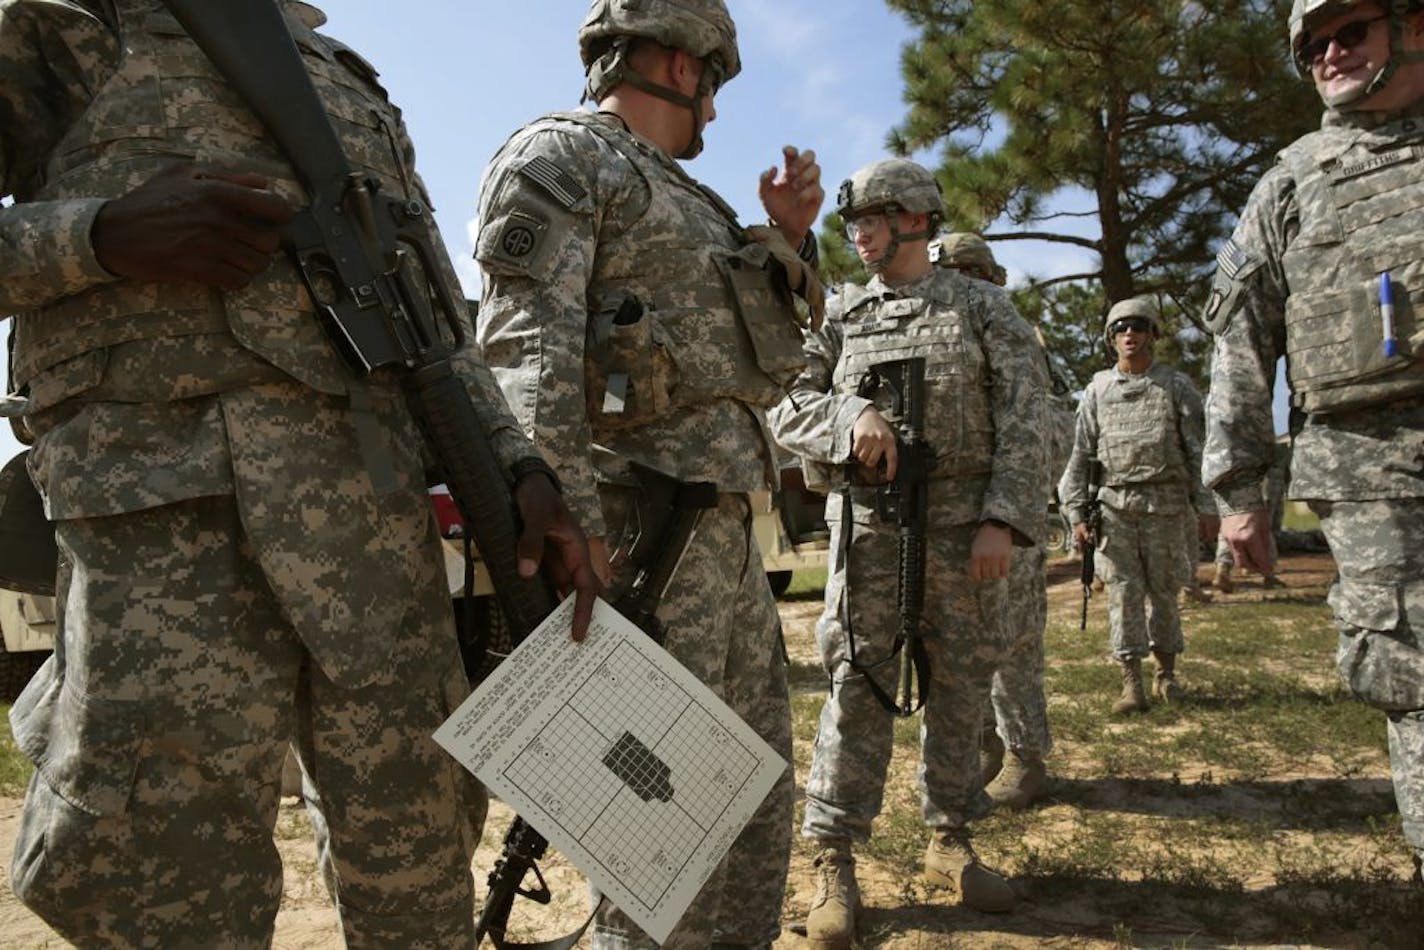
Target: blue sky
x=820, y=74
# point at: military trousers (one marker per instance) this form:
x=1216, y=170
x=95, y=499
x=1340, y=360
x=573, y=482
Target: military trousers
x=721, y=623
x=965, y=636
x=1378, y=602
x=159, y=729
x=1019, y=710
x=1141, y=563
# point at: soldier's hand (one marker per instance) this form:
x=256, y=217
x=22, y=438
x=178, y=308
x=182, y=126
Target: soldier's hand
x=792, y=194
x=188, y=224
x=991, y=552
x=872, y=440
x=1249, y=536
x=1080, y=536
x=553, y=538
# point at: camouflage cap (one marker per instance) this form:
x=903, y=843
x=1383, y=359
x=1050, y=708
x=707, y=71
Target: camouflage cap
x=703, y=28
x=965, y=250
x=1144, y=306
x=890, y=181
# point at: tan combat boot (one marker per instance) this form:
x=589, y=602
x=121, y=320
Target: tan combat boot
x=1222, y=581
x=950, y=862
x=830, y=924
x=1134, y=697
x=1023, y=781
x=991, y=754
x=1164, y=683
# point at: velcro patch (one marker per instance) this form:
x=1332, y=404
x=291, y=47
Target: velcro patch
x=556, y=182
x=1232, y=259
x=519, y=239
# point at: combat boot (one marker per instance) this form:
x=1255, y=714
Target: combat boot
x=1023, y=781
x=1134, y=697
x=991, y=754
x=830, y=924
x=1272, y=582
x=1164, y=682
x=1222, y=580
x=1194, y=593
x=950, y=862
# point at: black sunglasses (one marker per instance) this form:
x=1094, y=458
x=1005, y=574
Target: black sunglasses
x=1131, y=323
x=1349, y=36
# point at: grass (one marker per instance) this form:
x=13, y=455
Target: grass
x=1256, y=811
x=15, y=769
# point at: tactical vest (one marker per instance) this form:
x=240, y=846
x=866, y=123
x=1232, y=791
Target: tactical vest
x=686, y=308
x=166, y=102
x=1361, y=206
x=959, y=426
x=1137, y=428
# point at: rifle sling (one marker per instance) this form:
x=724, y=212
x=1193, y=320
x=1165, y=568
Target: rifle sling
x=920, y=656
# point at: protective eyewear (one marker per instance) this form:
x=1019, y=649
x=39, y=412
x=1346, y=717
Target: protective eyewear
x=864, y=223
x=1349, y=36
x=1131, y=323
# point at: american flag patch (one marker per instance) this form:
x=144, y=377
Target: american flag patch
x=558, y=183
x=1231, y=259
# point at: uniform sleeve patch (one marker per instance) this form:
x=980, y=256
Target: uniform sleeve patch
x=517, y=243
x=1232, y=259
x=555, y=182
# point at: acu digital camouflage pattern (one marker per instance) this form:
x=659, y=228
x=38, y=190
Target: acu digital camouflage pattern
x=1312, y=240
x=891, y=181
x=1146, y=430
x=625, y=307
x=722, y=624
x=241, y=572
x=985, y=422
x=701, y=27
x=969, y=253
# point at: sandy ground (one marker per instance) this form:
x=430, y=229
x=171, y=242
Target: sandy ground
x=903, y=914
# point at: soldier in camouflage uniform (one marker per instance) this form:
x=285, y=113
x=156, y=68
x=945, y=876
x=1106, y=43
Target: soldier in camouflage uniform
x=1141, y=420
x=237, y=574
x=985, y=403
x=626, y=307
x=1327, y=247
x=1017, y=717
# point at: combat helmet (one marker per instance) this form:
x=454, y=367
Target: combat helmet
x=1144, y=306
x=1305, y=14
x=968, y=252
x=888, y=186
x=702, y=28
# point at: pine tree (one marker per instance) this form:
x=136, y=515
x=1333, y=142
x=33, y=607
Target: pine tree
x=1161, y=114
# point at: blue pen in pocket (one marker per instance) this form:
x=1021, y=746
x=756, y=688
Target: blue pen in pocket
x=1386, y=299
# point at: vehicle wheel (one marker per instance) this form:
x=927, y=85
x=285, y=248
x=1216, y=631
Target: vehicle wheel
x=16, y=670
x=1059, y=536
x=780, y=581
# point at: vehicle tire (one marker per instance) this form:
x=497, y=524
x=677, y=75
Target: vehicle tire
x=16, y=670
x=1058, y=537
x=780, y=581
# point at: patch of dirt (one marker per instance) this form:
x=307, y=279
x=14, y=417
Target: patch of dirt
x=902, y=913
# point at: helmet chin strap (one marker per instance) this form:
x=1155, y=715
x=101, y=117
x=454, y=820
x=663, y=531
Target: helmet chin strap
x=693, y=103
x=1397, y=57
x=896, y=239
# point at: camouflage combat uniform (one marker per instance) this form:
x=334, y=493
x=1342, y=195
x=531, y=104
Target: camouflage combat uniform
x=1146, y=430
x=616, y=287
x=236, y=573
x=1019, y=708
x=1300, y=278
x=985, y=400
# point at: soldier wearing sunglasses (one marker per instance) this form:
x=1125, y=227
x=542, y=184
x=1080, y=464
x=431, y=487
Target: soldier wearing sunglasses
x=1324, y=269
x=1142, y=422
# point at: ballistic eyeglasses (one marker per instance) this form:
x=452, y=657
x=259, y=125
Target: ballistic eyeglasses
x=1349, y=36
